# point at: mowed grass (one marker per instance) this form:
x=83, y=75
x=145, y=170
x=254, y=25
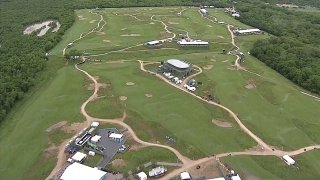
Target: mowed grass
x=137, y=158
x=169, y=112
x=273, y=168
x=123, y=30
x=81, y=25
x=23, y=137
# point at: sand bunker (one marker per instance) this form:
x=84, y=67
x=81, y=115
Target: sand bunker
x=207, y=67
x=100, y=33
x=250, y=85
x=173, y=22
x=81, y=18
x=151, y=23
x=225, y=61
x=118, y=163
x=123, y=98
x=221, y=37
x=221, y=123
x=56, y=126
x=51, y=152
x=43, y=27
x=209, y=25
x=123, y=29
x=129, y=83
x=92, y=21
x=106, y=40
x=148, y=95
x=231, y=68
x=213, y=60
x=100, y=85
x=130, y=35
x=74, y=127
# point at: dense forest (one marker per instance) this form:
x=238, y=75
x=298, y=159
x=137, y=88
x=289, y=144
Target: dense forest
x=295, y=51
x=22, y=57
x=314, y=3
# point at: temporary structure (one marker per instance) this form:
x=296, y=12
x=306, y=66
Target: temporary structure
x=95, y=139
x=81, y=172
x=142, y=175
x=185, y=176
x=288, y=160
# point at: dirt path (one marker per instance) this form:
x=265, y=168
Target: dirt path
x=243, y=127
x=109, y=52
x=61, y=160
x=237, y=64
x=267, y=150
x=315, y=97
x=165, y=28
x=190, y=77
x=87, y=33
x=187, y=163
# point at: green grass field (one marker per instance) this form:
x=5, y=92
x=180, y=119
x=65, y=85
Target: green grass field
x=275, y=110
x=23, y=136
x=182, y=119
x=137, y=158
x=272, y=168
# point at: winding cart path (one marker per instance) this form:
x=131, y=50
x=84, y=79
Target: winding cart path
x=266, y=150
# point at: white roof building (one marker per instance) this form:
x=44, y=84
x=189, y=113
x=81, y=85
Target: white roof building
x=203, y=11
x=288, y=160
x=248, y=31
x=177, y=63
x=153, y=42
x=193, y=43
x=185, y=175
x=78, y=171
x=79, y=157
x=95, y=124
x=115, y=136
x=142, y=176
x=235, y=15
x=95, y=138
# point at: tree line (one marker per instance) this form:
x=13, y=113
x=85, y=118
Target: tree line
x=294, y=51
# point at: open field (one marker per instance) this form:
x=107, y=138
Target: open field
x=23, y=135
x=133, y=159
x=182, y=119
x=253, y=167
x=274, y=109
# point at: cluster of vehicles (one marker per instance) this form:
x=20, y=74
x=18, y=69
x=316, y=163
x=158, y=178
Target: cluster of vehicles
x=174, y=79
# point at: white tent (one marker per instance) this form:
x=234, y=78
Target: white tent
x=185, y=176
x=288, y=160
x=95, y=138
x=117, y=137
x=91, y=153
x=142, y=176
x=81, y=172
x=95, y=124
x=79, y=157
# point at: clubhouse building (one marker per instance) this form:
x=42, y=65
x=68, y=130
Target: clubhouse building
x=177, y=67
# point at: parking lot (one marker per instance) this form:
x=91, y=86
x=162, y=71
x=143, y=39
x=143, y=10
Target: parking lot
x=111, y=146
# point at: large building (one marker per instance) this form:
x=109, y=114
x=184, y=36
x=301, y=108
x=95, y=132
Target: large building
x=184, y=42
x=177, y=67
x=81, y=172
x=247, y=31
